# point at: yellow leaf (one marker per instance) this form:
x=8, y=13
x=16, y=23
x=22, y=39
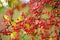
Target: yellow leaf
x=13, y=23
x=44, y=16
x=14, y=1
x=7, y=17
x=50, y=38
x=27, y=25
x=20, y=18
x=13, y=34
x=0, y=2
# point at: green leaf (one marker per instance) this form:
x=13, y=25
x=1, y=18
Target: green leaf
x=2, y=9
x=4, y=37
x=23, y=35
x=33, y=34
x=44, y=16
x=10, y=4
x=59, y=0
x=52, y=31
x=17, y=13
x=26, y=37
x=59, y=31
x=36, y=37
x=48, y=8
